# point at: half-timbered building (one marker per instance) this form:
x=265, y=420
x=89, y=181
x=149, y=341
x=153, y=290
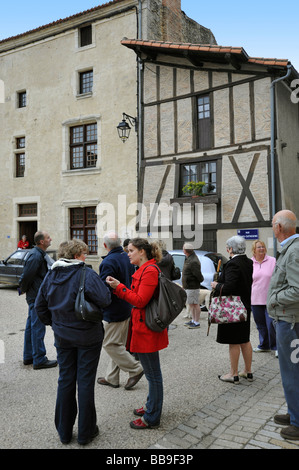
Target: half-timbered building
x=216, y=115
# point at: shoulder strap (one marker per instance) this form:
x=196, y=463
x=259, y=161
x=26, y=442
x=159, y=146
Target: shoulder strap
x=82, y=279
x=157, y=267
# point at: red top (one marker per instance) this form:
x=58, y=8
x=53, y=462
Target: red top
x=23, y=245
x=140, y=338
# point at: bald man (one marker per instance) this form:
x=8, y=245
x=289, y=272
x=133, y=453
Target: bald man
x=283, y=307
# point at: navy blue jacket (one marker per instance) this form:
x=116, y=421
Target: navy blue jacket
x=117, y=265
x=35, y=270
x=56, y=300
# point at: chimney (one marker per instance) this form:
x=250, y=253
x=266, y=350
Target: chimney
x=172, y=20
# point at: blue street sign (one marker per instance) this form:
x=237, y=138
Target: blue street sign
x=250, y=234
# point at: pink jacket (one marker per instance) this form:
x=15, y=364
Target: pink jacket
x=261, y=276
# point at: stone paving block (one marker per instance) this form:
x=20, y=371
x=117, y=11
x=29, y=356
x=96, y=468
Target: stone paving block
x=191, y=431
x=285, y=444
x=263, y=445
x=227, y=444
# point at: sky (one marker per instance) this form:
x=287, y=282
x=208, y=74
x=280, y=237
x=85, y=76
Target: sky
x=264, y=28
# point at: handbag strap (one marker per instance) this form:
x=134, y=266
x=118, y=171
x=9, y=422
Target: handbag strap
x=82, y=279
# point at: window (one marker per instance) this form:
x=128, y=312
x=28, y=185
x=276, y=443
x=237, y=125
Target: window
x=83, y=146
x=22, y=100
x=200, y=171
x=203, y=122
x=86, y=82
x=83, y=226
x=85, y=36
x=28, y=210
x=20, y=157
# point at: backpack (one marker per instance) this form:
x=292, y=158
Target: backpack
x=161, y=311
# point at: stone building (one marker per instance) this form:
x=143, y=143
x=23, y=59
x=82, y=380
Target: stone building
x=214, y=114
x=63, y=89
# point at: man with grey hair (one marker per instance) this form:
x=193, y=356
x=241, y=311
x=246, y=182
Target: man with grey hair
x=117, y=317
x=283, y=307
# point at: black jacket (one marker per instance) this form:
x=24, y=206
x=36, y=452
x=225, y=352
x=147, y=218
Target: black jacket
x=35, y=270
x=117, y=264
x=236, y=279
x=167, y=265
x=56, y=301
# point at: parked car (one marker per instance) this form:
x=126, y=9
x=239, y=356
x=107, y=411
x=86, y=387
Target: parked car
x=12, y=267
x=208, y=261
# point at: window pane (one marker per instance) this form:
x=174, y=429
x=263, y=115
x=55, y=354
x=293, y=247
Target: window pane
x=85, y=35
x=20, y=165
x=77, y=216
x=27, y=210
x=91, y=132
x=77, y=134
x=91, y=155
x=20, y=142
x=86, y=81
x=92, y=241
x=77, y=160
x=91, y=218
x=22, y=99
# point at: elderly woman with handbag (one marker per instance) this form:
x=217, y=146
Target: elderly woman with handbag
x=236, y=279
x=141, y=340
x=78, y=342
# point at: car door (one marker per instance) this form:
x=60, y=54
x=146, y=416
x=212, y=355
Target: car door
x=12, y=268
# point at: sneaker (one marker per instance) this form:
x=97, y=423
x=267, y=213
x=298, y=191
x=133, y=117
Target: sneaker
x=140, y=423
x=193, y=325
x=261, y=350
x=139, y=411
x=291, y=432
x=188, y=323
x=283, y=420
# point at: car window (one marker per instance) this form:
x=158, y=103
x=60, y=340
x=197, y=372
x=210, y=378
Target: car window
x=179, y=260
x=16, y=258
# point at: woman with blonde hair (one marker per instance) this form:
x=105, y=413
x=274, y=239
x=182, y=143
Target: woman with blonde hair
x=263, y=267
x=141, y=340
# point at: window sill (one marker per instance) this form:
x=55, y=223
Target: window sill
x=209, y=199
x=81, y=171
x=81, y=96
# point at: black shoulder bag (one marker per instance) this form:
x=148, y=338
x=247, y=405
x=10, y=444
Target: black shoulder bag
x=84, y=309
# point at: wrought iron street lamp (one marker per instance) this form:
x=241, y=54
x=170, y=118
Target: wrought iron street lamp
x=124, y=128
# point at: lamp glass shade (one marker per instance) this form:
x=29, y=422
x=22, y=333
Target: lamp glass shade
x=123, y=130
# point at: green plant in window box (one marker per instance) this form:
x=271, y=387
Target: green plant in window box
x=194, y=188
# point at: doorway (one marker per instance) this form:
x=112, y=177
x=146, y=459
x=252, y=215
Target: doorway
x=28, y=229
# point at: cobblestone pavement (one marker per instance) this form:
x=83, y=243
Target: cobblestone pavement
x=240, y=418
x=199, y=411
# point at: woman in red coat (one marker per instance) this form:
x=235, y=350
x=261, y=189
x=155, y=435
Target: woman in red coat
x=141, y=339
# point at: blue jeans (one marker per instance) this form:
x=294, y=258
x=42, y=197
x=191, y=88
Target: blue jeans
x=77, y=366
x=152, y=371
x=34, y=346
x=265, y=327
x=287, y=339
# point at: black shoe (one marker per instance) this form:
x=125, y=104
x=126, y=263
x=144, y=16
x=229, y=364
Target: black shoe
x=291, y=432
x=96, y=432
x=283, y=420
x=27, y=362
x=46, y=365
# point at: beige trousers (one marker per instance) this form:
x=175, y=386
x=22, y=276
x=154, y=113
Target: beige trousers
x=119, y=358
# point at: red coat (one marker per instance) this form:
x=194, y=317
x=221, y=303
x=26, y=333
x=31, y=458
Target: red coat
x=140, y=338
